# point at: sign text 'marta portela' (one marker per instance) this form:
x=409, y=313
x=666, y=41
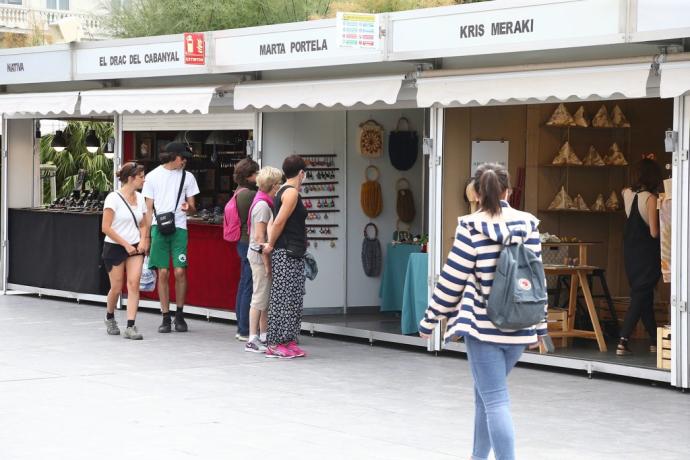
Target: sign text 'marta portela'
x=303, y=46
x=520, y=26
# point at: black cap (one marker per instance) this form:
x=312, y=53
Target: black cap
x=178, y=148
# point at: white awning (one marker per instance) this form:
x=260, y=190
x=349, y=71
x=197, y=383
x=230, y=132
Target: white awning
x=539, y=85
x=38, y=103
x=149, y=100
x=346, y=92
x=675, y=78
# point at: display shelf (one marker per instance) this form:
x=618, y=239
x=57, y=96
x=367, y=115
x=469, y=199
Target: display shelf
x=569, y=166
x=589, y=128
x=575, y=211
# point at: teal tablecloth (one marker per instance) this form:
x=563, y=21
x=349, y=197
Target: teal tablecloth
x=393, y=279
x=415, y=293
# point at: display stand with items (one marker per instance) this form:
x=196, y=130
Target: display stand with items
x=603, y=133
x=212, y=280
x=320, y=197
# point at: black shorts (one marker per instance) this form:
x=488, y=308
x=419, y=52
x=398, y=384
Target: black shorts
x=114, y=255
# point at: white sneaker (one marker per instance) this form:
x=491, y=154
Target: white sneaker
x=255, y=346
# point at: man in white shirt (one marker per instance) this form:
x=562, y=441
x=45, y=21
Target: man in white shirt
x=163, y=194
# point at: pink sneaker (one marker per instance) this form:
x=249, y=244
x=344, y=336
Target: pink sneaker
x=296, y=351
x=279, y=351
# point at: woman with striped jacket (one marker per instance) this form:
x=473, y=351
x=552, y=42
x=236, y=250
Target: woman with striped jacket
x=460, y=296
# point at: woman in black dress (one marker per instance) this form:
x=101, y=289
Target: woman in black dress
x=642, y=251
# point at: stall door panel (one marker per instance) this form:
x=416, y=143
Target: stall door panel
x=320, y=135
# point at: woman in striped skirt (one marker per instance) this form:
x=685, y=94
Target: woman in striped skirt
x=460, y=296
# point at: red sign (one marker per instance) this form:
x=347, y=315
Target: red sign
x=194, y=49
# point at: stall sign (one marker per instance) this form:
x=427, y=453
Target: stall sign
x=657, y=19
x=489, y=152
x=194, y=49
x=485, y=28
x=358, y=30
x=123, y=61
x=314, y=44
x=35, y=67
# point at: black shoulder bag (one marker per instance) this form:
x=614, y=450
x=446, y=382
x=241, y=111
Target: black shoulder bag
x=166, y=220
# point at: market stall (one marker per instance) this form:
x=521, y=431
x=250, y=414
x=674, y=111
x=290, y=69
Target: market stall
x=465, y=95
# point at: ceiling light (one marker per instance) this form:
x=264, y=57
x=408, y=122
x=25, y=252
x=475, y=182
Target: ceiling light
x=92, y=142
x=58, y=143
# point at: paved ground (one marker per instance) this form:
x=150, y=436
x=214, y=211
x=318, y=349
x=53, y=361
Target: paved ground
x=68, y=391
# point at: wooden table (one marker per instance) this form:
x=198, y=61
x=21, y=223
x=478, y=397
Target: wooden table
x=578, y=277
x=582, y=247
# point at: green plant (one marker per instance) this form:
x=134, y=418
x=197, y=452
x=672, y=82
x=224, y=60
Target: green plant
x=99, y=169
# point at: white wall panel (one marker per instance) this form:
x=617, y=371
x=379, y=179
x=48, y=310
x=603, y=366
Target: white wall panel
x=311, y=133
x=210, y=121
x=361, y=289
x=22, y=164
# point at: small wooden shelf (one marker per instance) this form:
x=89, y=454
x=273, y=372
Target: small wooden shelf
x=549, y=165
x=590, y=128
x=575, y=211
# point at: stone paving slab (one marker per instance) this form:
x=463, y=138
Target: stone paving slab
x=69, y=391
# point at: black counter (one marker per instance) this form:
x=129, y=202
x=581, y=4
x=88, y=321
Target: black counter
x=57, y=250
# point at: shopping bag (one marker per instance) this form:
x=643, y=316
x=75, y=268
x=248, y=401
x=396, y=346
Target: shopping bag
x=147, y=283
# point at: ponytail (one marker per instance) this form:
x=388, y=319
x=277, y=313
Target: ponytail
x=490, y=182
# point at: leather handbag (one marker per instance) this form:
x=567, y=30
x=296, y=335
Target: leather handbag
x=403, y=144
x=404, y=205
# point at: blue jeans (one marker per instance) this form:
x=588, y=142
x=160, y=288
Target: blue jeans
x=493, y=425
x=244, y=290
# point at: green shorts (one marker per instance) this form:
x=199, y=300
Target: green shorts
x=163, y=247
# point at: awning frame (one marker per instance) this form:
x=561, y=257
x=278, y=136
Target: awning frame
x=341, y=92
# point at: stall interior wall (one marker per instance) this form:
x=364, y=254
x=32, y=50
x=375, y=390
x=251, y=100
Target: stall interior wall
x=22, y=185
x=534, y=145
x=313, y=133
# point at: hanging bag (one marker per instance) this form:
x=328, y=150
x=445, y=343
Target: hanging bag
x=405, y=202
x=403, y=145
x=370, y=139
x=371, y=251
x=370, y=197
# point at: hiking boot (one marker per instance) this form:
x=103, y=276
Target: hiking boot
x=132, y=333
x=623, y=349
x=180, y=324
x=297, y=351
x=164, y=328
x=279, y=351
x=111, y=327
x=255, y=346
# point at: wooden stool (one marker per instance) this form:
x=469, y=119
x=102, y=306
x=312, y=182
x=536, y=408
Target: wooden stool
x=557, y=320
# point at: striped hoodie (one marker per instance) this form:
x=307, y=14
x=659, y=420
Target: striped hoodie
x=468, y=274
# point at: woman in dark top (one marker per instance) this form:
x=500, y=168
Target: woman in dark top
x=244, y=176
x=287, y=242
x=642, y=251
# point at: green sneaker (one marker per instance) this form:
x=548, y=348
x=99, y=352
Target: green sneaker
x=132, y=333
x=111, y=327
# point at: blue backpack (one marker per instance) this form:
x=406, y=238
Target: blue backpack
x=518, y=294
